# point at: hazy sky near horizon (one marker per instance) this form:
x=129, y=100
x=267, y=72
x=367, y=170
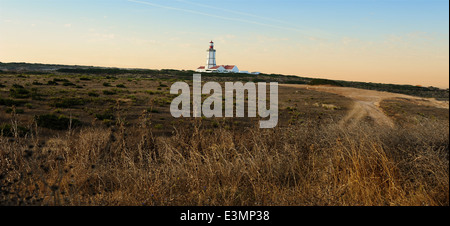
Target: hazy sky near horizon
x=387, y=41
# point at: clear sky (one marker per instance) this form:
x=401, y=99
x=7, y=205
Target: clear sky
x=387, y=41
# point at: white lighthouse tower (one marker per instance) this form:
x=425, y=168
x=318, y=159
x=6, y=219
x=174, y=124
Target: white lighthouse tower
x=211, y=66
x=211, y=57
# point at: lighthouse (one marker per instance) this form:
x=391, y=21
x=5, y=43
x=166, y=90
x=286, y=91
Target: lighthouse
x=211, y=66
x=211, y=57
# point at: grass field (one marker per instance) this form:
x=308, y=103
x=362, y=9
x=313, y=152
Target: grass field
x=89, y=139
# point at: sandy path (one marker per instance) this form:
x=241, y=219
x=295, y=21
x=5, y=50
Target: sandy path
x=367, y=102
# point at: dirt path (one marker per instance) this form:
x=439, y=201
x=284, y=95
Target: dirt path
x=367, y=103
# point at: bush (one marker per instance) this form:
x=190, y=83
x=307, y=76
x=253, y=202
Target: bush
x=108, y=114
x=295, y=82
x=121, y=86
x=7, y=130
x=85, y=78
x=93, y=94
x=161, y=101
x=17, y=111
x=68, y=102
x=68, y=84
x=10, y=102
x=35, y=95
x=19, y=91
x=316, y=82
x=109, y=92
x=151, y=92
x=52, y=83
x=152, y=110
x=61, y=122
x=60, y=80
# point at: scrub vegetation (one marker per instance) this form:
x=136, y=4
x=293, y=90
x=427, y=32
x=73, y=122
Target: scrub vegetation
x=67, y=139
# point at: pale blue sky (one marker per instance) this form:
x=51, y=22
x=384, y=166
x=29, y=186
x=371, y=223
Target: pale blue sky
x=395, y=41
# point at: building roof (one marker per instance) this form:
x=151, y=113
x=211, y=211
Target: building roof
x=216, y=67
x=229, y=67
x=226, y=67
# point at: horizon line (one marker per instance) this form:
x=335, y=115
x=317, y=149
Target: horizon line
x=75, y=65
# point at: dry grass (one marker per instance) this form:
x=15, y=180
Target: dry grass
x=143, y=156
x=302, y=164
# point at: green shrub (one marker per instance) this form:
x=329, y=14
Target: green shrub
x=121, y=86
x=17, y=111
x=58, y=111
x=152, y=110
x=132, y=97
x=68, y=102
x=215, y=124
x=29, y=105
x=60, y=80
x=161, y=101
x=85, y=78
x=35, y=95
x=295, y=82
x=93, y=94
x=7, y=130
x=151, y=92
x=109, y=92
x=108, y=114
x=52, y=83
x=61, y=122
x=108, y=122
x=316, y=82
x=68, y=84
x=107, y=84
x=10, y=102
x=19, y=92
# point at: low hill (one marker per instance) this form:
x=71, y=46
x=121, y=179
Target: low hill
x=428, y=92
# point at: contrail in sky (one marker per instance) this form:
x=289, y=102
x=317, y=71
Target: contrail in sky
x=231, y=11
x=223, y=17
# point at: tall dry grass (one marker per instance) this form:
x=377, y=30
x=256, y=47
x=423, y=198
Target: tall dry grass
x=307, y=164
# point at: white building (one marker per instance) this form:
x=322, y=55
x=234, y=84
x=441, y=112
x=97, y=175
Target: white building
x=211, y=63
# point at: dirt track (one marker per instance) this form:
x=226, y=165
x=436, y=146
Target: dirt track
x=367, y=102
